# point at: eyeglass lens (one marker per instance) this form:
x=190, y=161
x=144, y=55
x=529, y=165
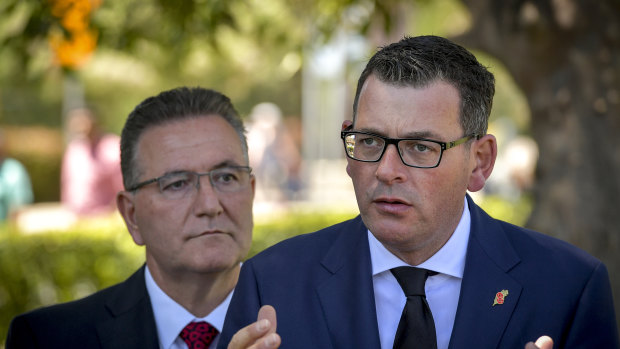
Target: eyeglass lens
x=419, y=153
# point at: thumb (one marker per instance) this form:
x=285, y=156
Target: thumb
x=268, y=312
x=544, y=342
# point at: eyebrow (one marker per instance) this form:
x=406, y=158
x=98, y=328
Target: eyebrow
x=223, y=164
x=415, y=134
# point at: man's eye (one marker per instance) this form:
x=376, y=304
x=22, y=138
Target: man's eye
x=421, y=147
x=369, y=141
x=225, y=177
x=175, y=183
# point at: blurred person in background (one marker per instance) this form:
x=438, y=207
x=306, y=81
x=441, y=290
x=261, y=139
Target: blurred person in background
x=91, y=174
x=188, y=199
x=274, y=155
x=15, y=187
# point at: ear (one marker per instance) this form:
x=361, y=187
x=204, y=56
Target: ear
x=127, y=208
x=349, y=167
x=484, y=153
x=253, y=185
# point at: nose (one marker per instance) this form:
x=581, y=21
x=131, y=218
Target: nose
x=391, y=168
x=207, y=200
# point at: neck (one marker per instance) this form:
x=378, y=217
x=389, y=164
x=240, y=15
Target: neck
x=418, y=256
x=199, y=293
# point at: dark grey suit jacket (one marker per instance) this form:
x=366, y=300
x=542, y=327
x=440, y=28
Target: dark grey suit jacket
x=117, y=317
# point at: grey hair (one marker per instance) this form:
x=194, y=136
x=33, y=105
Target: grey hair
x=168, y=106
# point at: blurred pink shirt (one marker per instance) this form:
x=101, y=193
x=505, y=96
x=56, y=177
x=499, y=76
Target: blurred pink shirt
x=91, y=178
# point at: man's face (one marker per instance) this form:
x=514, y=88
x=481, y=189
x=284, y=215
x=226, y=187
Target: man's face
x=411, y=211
x=206, y=232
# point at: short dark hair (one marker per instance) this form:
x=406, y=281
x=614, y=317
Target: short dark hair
x=418, y=61
x=169, y=106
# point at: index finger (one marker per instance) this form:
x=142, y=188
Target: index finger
x=267, y=312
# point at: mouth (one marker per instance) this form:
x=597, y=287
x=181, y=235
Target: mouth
x=391, y=204
x=208, y=233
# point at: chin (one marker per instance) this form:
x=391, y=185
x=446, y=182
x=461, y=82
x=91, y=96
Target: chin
x=392, y=237
x=213, y=267
x=215, y=262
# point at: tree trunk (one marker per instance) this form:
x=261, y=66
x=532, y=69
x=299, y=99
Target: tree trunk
x=565, y=55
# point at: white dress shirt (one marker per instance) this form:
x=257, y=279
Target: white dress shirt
x=171, y=317
x=442, y=290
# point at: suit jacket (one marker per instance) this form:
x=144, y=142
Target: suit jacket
x=117, y=317
x=321, y=287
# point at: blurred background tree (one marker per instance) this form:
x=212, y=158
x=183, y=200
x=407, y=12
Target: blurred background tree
x=565, y=56
x=560, y=84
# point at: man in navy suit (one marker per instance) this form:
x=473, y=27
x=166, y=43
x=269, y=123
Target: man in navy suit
x=188, y=199
x=417, y=143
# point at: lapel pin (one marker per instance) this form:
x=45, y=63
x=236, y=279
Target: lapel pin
x=500, y=296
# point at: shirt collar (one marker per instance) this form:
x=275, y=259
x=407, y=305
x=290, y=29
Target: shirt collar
x=449, y=260
x=171, y=317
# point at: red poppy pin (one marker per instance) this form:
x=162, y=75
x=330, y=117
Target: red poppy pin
x=500, y=296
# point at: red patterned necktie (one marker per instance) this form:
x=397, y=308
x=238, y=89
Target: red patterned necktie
x=198, y=335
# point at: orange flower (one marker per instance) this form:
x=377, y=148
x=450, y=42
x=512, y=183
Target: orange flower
x=73, y=49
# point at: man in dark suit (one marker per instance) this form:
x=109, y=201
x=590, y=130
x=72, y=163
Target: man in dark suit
x=188, y=199
x=417, y=143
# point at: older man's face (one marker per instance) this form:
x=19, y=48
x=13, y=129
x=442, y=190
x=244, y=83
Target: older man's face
x=207, y=231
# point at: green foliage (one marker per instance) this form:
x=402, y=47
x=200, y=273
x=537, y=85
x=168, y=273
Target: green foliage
x=40, y=150
x=516, y=212
x=52, y=267
x=44, y=172
x=276, y=229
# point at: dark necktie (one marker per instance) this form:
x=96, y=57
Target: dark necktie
x=198, y=335
x=416, y=328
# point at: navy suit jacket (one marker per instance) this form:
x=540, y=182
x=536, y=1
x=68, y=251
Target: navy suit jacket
x=321, y=287
x=117, y=317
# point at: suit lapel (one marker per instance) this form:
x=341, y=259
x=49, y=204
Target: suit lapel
x=132, y=323
x=480, y=323
x=347, y=297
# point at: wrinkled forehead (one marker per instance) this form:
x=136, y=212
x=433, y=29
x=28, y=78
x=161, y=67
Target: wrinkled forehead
x=195, y=143
x=408, y=112
x=417, y=83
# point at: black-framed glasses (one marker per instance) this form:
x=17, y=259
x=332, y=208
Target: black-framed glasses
x=413, y=152
x=180, y=184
